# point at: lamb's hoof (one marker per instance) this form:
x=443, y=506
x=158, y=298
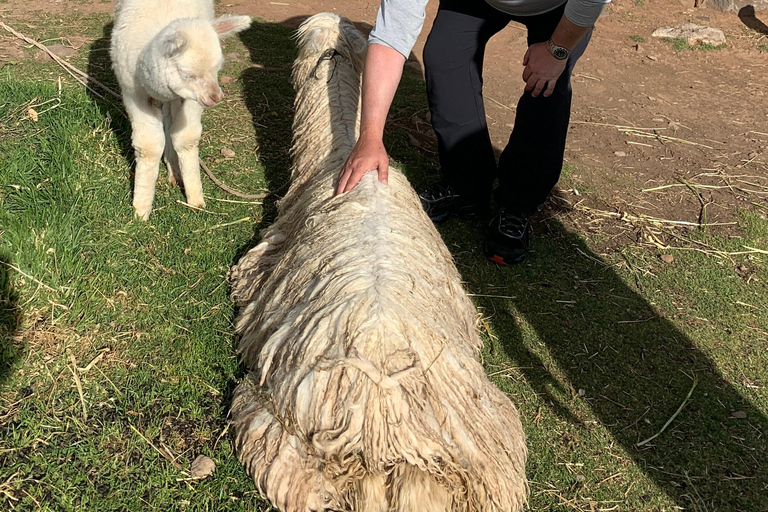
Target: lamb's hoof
x=142, y=213
x=172, y=180
x=196, y=203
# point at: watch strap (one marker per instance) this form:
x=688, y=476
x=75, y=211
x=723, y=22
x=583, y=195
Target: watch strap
x=558, y=52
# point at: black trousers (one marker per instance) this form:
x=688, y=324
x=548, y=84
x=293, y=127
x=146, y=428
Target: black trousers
x=531, y=162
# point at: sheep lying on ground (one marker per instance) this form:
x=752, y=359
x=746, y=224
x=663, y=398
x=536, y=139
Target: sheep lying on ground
x=365, y=392
x=166, y=57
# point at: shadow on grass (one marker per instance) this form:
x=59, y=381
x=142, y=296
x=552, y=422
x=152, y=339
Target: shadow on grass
x=636, y=366
x=100, y=68
x=268, y=94
x=9, y=321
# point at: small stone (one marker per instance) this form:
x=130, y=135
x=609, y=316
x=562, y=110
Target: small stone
x=667, y=258
x=582, y=392
x=637, y=47
x=202, y=467
x=651, y=57
x=620, y=153
x=227, y=153
x=226, y=79
x=739, y=414
x=62, y=51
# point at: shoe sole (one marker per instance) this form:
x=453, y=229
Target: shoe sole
x=499, y=260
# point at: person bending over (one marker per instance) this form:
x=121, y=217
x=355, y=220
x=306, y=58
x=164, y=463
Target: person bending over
x=530, y=164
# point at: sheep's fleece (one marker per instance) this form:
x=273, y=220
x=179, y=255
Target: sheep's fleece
x=365, y=392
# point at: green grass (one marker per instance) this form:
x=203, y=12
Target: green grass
x=763, y=48
x=680, y=44
x=637, y=39
x=597, y=350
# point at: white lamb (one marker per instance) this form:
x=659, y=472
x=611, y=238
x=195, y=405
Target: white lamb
x=166, y=57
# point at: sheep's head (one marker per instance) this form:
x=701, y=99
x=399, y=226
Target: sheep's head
x=195, y=58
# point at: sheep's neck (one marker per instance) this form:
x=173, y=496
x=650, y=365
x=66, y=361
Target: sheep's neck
x=326, y=123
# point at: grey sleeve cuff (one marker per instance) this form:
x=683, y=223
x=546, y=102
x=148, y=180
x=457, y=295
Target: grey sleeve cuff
x=398, y=24
x=584, y=13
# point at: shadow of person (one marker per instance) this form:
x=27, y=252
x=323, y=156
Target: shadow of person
x=749, y=18
x=9, y=321
x=100, y=68
x=635, y=369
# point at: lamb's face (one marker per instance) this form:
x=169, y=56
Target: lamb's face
x=193, y=73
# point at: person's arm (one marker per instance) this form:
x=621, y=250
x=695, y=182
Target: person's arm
x=381, y=76
x=398, y=24
x=542, y=69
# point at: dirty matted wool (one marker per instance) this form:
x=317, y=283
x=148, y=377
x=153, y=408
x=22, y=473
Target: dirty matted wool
x=364, y=390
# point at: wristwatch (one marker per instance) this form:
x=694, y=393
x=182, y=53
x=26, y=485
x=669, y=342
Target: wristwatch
x=558, y=52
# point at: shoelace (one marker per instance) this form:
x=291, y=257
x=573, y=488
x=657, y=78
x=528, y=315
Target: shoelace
x=512, y=225
x=438, y=191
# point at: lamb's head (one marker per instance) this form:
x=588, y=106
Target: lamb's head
x=194, y=56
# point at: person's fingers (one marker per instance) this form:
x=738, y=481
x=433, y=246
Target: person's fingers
x=384, y=172
x=531, y=83
x=550, y=88
x=344, y=175
x=354, y=179
x=526, y=74
x=540, y=84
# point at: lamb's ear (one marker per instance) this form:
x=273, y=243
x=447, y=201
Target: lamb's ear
x=174, y=44
x=229, y=24
x=355, y=39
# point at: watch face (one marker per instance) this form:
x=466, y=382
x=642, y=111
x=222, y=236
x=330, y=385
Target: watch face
x=560, y=53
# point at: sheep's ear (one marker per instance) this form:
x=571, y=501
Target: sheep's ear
x=175, y=44
x=228, y=25
x=355, y=39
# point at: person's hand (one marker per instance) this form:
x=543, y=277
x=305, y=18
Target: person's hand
x=542, y=70
x=368, y=154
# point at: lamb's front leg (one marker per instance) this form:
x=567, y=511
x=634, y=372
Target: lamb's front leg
x=148, y=143
x=185, y=135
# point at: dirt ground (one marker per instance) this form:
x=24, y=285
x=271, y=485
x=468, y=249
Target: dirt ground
x=645, y=114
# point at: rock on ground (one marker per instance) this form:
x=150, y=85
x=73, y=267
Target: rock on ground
x=735, y=5
x=692, y=33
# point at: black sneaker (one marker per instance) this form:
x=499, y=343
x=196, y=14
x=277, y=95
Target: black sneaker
x=441, y=201
x=508, y=237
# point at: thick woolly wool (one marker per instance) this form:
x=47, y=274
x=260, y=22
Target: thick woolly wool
x=365, y=392
x=166, y=57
